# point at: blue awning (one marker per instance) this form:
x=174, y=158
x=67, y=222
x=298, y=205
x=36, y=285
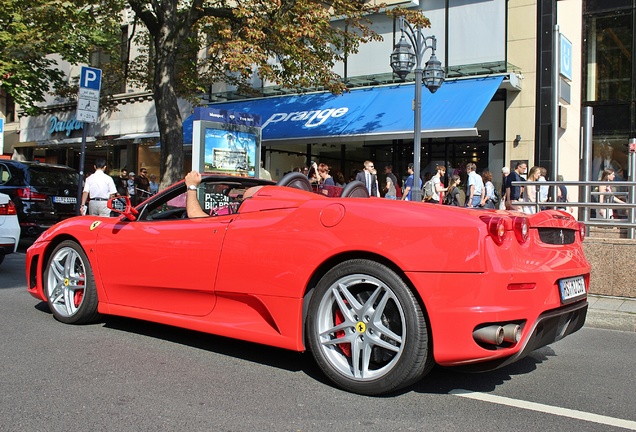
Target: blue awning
x=374, y=113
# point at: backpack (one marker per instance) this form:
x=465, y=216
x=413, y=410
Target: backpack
x=497, y=199
x=398, y=189
x=429, y=188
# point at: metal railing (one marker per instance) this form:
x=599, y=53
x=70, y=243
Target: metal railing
x=588, y=191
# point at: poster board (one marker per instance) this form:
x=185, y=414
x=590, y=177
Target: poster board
x=226, y=142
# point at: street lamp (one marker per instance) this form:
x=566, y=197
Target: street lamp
x=402, y=61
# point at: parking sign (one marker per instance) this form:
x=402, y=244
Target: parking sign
x=90, y=84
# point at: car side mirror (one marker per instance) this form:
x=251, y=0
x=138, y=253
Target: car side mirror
x=123, y=206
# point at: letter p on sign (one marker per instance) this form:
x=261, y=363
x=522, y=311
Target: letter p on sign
x=91, y=78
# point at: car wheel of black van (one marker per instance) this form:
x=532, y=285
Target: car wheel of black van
x=69, y=285
x=366, y=330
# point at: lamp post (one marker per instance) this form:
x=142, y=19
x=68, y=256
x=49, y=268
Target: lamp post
x=402, y=61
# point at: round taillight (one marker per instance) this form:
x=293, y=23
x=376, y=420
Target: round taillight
x=582, y=230
x=521, y=228
x=497, y=229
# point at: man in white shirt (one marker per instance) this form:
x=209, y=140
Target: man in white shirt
x=475, y=186
x=99, y=187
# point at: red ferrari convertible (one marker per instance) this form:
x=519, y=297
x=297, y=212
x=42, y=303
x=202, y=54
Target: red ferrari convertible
x=379, y=291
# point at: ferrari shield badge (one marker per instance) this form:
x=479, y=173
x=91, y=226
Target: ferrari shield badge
x=95, y=225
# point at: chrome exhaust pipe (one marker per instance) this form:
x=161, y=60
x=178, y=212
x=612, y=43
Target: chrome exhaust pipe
x=512, y=333
x=493, y=335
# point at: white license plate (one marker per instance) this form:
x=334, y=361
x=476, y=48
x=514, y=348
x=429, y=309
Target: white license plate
x=64, y=200
x=572, y=289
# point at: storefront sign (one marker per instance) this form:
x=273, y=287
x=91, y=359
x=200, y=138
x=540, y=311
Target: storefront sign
x=67, y=126
x=310, y=118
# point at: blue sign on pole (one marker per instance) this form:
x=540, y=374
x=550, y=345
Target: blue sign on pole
x=565, y=67
x=90, y=84
x=90, y=78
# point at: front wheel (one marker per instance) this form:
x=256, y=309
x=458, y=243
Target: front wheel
x=366, y=329
x=69, y=285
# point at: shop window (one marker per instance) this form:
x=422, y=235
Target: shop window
x=608, y=62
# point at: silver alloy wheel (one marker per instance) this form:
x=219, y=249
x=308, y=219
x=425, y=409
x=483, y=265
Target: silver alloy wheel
x=361, y=326
x=66, y=281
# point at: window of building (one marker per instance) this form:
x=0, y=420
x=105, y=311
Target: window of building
x=608, y=63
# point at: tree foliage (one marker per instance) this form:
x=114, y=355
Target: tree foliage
x=187, y=45
x=35, y=34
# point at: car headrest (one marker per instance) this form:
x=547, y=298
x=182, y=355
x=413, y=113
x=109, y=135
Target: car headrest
x=295, y=180
x=355, y=189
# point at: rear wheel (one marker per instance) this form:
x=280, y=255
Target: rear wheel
x=366, y=329
x=69, y=285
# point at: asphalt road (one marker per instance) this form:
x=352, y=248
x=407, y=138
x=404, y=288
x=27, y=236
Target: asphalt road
x=128, y=375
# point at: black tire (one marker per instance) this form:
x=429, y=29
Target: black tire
x=69, y=285
x=359, y=308
x=1, y=258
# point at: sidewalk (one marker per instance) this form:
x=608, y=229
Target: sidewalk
x=613, y=313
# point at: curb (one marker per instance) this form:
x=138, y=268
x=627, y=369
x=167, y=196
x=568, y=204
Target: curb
x=610, y=320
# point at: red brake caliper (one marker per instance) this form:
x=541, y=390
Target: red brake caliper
x=344, y=347
x=79, y=295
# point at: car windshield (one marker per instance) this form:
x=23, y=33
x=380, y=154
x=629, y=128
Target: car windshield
x=50, y=176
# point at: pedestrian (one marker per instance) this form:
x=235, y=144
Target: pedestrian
x=530, y=194
x=392, y=188
x=438, y=186
x=475, y=190
x=389, y=188
x=121, y=182
x=313, y=176
x=327, y=185
x=544, y=190
x=340, y=179
x=99, y=187
x=505, y=172
x=562, y=195
x=452, y=194
x=489, y=200
x=369, y=179
x=513, y=192
x=607, y=194
x=130, y=184
x=142, y=184
x=154, y=186
x=408, y=185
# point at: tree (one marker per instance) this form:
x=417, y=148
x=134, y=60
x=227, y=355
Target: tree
x=240, y=39
x=293, y=43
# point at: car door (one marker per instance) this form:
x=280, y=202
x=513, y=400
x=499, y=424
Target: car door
x=161, y=265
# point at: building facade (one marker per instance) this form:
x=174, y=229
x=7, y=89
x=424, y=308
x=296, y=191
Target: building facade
x=506, y=42
x=609, y=85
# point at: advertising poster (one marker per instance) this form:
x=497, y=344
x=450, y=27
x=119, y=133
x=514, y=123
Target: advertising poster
x=226, y=142
x=230, y=152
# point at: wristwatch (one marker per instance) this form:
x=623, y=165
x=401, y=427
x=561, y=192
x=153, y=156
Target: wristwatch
x=192, y=188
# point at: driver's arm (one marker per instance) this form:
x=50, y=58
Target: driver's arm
x=193, y=207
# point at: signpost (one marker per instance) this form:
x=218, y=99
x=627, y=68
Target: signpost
x=90, y=85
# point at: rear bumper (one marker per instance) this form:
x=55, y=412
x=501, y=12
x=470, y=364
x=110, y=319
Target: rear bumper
x=458, y=304
x=551, y=326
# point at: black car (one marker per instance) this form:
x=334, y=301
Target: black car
x=44, y=194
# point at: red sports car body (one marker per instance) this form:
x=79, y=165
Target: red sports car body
x=377, y=290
